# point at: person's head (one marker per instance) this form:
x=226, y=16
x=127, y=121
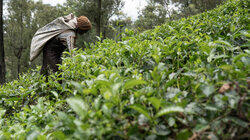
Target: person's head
x=83, y=25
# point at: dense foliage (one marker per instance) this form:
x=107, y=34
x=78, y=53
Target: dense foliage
x=185, y=79
x=22, y=20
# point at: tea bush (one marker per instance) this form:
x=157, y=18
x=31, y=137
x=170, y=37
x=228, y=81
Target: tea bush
x=185, y=79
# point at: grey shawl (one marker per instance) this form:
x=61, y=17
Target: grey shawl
x=44, y=34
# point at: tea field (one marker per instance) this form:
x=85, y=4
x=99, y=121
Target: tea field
x=186, y=79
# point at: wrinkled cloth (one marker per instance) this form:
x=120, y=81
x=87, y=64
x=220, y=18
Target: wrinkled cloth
x=44, y=34
x=67, y=38
x=52, y=53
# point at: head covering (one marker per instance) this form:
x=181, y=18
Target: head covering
x=83, y=23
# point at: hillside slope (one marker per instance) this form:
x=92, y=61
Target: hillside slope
x=184, y=79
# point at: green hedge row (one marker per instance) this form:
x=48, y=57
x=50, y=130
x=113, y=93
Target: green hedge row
x=185, y=79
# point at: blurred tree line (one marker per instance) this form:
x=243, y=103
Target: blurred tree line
x=25, y=17
x=158, y=12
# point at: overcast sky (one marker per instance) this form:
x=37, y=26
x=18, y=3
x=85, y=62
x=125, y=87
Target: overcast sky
x=131, y=7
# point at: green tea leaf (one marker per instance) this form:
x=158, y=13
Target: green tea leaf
x=77, y=86
x=59, y=135
x=238, y=122
x=245, y=33
x=184, y=134
x=141, y=109
x=132, y=83
x=155, y=102
x=208, y=89
x=2, y=112
x=168, y=110
x=223, y=43
x=79, y=106
x=55, y=94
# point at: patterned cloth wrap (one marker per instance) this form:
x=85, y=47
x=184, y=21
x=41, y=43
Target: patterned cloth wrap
x=62, y=27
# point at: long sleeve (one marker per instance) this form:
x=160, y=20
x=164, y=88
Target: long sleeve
x=71, y=42
x=68, y=39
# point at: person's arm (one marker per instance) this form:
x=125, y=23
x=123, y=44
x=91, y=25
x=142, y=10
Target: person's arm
x=71, y=42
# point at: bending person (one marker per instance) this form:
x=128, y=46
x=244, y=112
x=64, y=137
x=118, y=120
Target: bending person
x=55, y=37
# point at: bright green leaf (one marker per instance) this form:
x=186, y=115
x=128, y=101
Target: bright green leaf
x=155, y=102
x=141, y=109
x=132, y=83
x=78, y=106
x=168, y=110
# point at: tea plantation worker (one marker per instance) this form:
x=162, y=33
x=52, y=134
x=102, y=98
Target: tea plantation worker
x=55, y=37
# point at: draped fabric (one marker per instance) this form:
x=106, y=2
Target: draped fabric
x=44, y=34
